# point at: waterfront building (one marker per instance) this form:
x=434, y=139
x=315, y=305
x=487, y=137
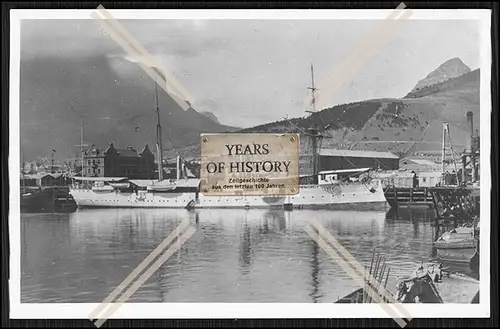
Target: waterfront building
x=115, y=162
x=334, y=159
x=43, y=180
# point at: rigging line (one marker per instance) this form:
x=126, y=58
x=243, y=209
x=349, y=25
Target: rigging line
x=313, y=89
x=425, y=130
x=299, y=128
x=337, y=122
x=323, y=123
x=451, y=147
x=417, y=142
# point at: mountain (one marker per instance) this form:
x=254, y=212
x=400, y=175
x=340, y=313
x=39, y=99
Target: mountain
x=448, y=70
x=403, y=126
x=211, y=116
x=115, y=98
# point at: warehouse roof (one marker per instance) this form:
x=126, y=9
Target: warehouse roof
x=357, y=154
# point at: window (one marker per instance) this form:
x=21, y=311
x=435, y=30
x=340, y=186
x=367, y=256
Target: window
x=89, y=162
x=98, y=171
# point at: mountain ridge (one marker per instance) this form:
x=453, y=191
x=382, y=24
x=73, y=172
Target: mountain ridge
x=404, y=126
x=450, y=69
x=211, y=116
x=56, y=93
x=116, y=100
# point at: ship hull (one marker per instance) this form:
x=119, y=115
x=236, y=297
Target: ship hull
x=457, y=255
x=118, y=199
x=55, y=199
x=310, y=196
x=339, y=196
x=38, y=201
x=457, y=245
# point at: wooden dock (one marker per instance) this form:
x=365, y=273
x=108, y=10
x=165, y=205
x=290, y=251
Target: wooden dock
x=444, y=196
x=409, y=197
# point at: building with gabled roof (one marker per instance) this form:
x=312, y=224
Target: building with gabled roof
x=119, y=162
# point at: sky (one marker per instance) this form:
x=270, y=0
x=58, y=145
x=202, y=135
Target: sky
x=249, y=72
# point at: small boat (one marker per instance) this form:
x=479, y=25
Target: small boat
x=457, y=238
x=120, y=185
x=161, y=188
x=103, y=188
x=434, y=284
x=457, y=245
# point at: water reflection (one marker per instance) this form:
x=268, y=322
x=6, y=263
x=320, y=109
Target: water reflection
x=234, y=256
x=315, y=271
x=245, y=247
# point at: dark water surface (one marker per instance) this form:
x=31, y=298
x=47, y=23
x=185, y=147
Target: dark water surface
x=234, y=255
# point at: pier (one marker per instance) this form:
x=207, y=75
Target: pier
x=409, y=196
x=439, y=196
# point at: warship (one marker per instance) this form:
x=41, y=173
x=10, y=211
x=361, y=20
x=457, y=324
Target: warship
x=184, y=192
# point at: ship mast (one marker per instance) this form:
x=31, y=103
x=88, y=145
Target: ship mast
x=314, y=131
x=52, y=163
x=313, y=90
x=81, y=145
x=24, y=178
x=159, y=148
x=443, y=151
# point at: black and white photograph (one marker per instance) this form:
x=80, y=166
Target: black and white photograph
x=286, y=163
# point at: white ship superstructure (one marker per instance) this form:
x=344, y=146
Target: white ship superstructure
x=184, y=193
x=337, y=188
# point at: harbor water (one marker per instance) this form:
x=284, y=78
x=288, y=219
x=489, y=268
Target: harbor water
x=233, y=256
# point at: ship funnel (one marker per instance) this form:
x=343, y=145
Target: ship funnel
x=470, y=133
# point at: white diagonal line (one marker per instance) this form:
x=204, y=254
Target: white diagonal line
x=133, y=53
x=362, y=48
x=145, y=276
x=142, y=50
x=362, y=45
x=359, y=280
x=140, y=268
x=145, y=60
x=359, y=268
x=365, y=56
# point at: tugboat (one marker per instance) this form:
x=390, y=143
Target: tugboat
x=43, y=199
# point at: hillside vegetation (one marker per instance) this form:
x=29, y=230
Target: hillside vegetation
x=403, y=126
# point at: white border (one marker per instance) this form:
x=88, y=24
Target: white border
x=247, y=310
x=250, y=14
